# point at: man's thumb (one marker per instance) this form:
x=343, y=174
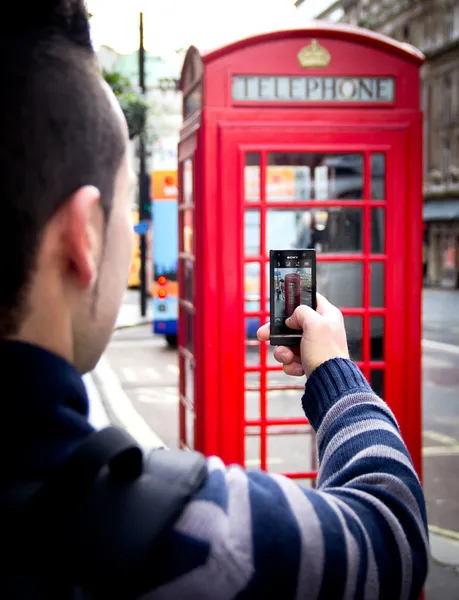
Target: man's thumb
x=302, y=316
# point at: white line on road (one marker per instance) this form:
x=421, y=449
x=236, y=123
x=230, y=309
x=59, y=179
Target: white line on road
x=136, y=343
x=173, y=369
x=440, y=451
x=164, y=399
x=122, y=407
x=152, y=373
x=432, y=362
x=449, y=348
x=129, y=374
x=440, y=437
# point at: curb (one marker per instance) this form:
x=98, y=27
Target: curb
x=97, y=414
x=444, y=548
x=119, y=408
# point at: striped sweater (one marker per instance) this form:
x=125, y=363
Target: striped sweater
x=362, y=534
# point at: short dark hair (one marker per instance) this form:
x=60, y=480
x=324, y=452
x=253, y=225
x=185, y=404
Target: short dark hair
x=59, y=132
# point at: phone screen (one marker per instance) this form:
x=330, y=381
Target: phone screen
x=292, y=282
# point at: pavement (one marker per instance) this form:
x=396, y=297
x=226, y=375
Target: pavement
x=135, y=386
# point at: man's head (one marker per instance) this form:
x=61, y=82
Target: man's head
x=65, y=230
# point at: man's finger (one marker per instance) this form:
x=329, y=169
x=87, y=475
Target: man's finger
x=294, y=369
x=326, y=308
x=284, y=355
x=322, y=304
x=301, y=317
x=263, y=333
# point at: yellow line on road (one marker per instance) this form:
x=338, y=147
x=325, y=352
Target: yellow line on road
x=448, y=533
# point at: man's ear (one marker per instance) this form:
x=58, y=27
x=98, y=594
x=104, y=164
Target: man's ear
x=83, y=230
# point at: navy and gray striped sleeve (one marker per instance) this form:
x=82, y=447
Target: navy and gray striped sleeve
x=362, y=534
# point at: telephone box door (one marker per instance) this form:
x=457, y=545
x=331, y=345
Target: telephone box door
x=348, y=197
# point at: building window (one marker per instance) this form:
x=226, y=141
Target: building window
x=427, y=33
x=449, y=23
x=446, y=157
x=407, y=33
x=447, y=100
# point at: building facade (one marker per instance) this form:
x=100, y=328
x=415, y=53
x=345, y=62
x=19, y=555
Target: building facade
x=161, y=78
x=433, y=27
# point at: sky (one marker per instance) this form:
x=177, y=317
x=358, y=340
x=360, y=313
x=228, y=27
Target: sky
x=174, y=24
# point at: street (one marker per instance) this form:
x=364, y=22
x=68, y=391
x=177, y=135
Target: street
x=441, y=407
x=148, y=373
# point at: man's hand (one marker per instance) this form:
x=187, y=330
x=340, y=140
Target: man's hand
x=324, y=338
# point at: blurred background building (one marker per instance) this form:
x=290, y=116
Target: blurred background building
x=433, y=27
x=165, y=118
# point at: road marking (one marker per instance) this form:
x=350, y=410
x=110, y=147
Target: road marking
x=449, y=348
x=448, y=420
x=173, y=369
x=122, y=407
x=432, y=362
x=440, y=437
x=129, y=374
x=171, y=390
x=136, y=343
x=448, y=533
x=152, y=373
x=255, y=462
x=164, y=399
x=431, y=451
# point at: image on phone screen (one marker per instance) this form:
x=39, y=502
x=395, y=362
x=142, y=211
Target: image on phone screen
x=292, y=282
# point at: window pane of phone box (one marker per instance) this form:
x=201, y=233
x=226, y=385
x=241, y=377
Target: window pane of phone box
x=325, y=230
x=188, y=231
x=377, y=291
x=291, y=452
x=188, y=280
x=252, y=177
x=378, y=176
x=299, y=176
x=252, y=352
x=284, y=403
x=252, y=448
x=341, y=283
x=190, y=420
x=252, y=324
x=377, y=338
x=378, y=230
x=252, y=287
x=252, y=233
x=189, y=330
x=252, y=395
x=354, y=337
x=377, y=382
x=285, y=452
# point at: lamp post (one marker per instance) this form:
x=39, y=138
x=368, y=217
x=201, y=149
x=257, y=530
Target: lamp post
x=143, y=181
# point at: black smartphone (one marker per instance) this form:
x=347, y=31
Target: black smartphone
x=292, y=277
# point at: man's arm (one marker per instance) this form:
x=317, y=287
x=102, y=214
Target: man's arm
x=361, y=534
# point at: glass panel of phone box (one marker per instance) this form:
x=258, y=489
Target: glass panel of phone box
x=296, y=178
x=187, y=292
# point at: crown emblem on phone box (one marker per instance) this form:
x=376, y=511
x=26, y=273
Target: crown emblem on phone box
x=314, y=55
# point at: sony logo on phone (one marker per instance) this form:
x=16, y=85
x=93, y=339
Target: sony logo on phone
x=292, y=257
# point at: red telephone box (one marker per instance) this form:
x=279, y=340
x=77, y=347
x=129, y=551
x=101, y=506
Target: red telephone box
x=297, y=139
x=292, y=293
